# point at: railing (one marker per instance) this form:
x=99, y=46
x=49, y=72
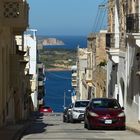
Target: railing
x=132, y=23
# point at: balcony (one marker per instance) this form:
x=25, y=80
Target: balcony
x=112, y=46
x=132, y=23
x=74, y=83
x=27, y=58
x=88, y=74
x=110, y=40
x=14, y=14
x=74, y=74
x=40, y=65
x=40, y=83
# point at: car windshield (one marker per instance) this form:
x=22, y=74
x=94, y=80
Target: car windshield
x=81, y=103
x=105, y=103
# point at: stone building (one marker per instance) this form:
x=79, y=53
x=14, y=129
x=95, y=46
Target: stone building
x=94, y=73
x=13, y=98
x=81, y=65
x=123, y=48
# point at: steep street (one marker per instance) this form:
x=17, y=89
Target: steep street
x=51, y=127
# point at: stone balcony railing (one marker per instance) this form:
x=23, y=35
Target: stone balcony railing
x=14, y=13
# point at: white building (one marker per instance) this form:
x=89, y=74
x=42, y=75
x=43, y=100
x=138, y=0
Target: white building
x=31, y=43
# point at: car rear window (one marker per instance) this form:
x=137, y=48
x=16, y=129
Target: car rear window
x=46, y=107
x=105, y=103
x=81, y=103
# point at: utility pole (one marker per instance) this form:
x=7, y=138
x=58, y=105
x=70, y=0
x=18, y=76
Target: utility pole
x=64, y=99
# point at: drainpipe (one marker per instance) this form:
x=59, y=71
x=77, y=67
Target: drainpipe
x=139, y=110
x=139, y=93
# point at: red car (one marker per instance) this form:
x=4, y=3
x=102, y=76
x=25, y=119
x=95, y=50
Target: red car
x=104, y=113
x=45, y=109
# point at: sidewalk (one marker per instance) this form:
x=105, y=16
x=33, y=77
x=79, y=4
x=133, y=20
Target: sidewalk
x=135, y=127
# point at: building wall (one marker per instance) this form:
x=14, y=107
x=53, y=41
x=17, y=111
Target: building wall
x=100, y=74
x=81, y=65
x=11, y=69
x=126, y=89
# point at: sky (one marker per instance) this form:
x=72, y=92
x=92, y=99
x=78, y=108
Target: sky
x=64, y=17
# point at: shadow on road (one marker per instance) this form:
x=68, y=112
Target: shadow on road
x=37, y=125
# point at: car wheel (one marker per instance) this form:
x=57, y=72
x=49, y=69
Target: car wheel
x=89, y=127
x=67, y=120
x=85, y=125
x=64, y=120
x=123, y=128
x=72, y=120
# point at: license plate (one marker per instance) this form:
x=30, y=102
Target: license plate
x=108, y=121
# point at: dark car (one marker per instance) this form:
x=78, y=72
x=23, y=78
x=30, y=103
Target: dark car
x=104, y=113
x=66, y=113
x=45, y=109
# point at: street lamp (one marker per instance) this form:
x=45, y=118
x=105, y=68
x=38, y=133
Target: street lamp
x=65, y=98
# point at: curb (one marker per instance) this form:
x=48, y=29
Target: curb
x=133, y=129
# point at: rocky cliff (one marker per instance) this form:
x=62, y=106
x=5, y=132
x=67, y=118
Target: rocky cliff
x=52, y=41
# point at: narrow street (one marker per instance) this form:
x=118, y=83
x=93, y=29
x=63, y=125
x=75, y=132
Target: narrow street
x=51, y=127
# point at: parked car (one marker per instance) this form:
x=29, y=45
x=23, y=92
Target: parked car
x=104, y=113
x=66, y=113
x=45, y=109
x=78, y=110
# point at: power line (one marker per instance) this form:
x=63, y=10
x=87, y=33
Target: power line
x=97, y=25
x=103, y=18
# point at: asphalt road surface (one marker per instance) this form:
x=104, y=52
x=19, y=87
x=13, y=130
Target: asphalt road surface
x=51, y=127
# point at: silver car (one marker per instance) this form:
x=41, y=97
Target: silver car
x=78, y=110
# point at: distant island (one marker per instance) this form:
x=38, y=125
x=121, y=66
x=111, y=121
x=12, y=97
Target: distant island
x=51, y=41
x=55, y=58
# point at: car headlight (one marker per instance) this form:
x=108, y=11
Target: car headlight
x=121, y=114
x=69, y=112
x=93, y=114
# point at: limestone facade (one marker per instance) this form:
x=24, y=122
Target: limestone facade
x=13, y=99
x=123, y=48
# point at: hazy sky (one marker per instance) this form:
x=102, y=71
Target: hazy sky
x=63, y=17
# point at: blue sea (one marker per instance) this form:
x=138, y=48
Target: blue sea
x=58, y=89
x=58, y=83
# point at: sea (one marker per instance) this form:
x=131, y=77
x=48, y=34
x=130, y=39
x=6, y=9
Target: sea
x=58, y=89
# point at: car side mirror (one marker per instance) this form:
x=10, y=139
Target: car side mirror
x=122, y=108
x=87, y=107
